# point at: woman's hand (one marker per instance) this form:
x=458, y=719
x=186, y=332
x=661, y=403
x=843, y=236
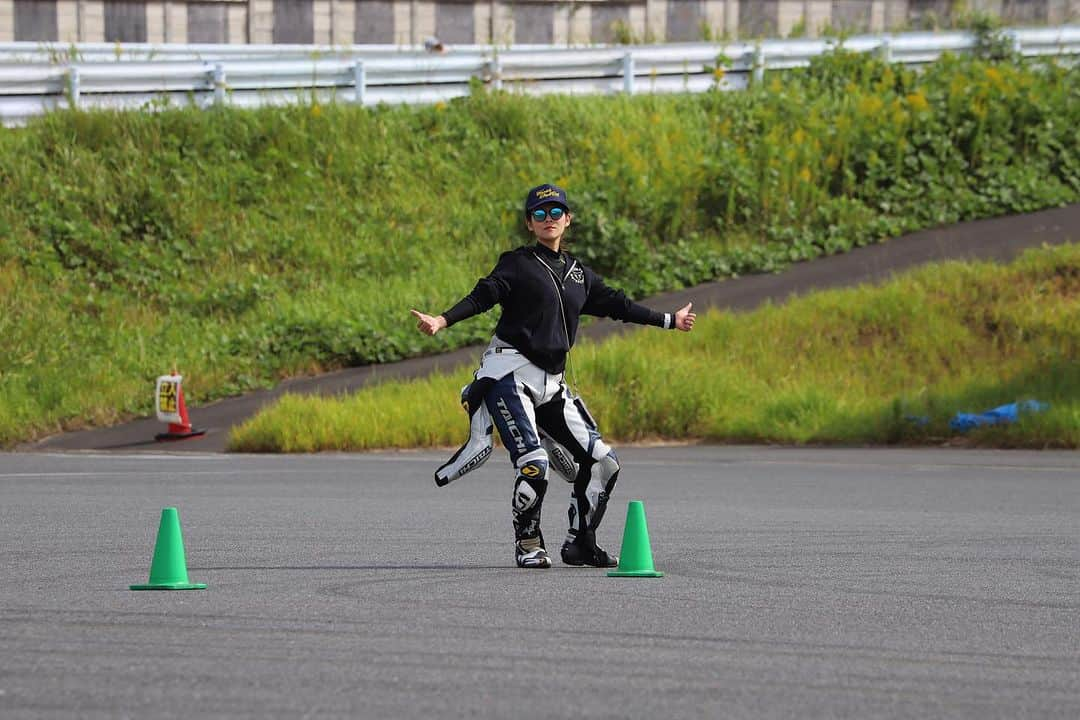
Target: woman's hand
x=427, y=324
x=684, y=318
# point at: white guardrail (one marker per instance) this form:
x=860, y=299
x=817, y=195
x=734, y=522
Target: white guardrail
x=36, y=78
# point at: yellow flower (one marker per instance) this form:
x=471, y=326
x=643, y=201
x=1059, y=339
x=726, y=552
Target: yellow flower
x=832, y=162
x=718, y=73
x=799, y=137
x=804, y=174
x=994, y=76
x=870, y=105
x=957, y=86
x=316, y=110
x=440, y=106
x=899, y=116
x=917, y=101
x=888, y=78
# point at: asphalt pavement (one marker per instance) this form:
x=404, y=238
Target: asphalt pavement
x=800, y=583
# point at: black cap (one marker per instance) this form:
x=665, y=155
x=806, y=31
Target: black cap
x=543, y=194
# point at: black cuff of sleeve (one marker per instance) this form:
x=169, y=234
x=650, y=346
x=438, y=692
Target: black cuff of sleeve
x=656, y=319
x=459, y=312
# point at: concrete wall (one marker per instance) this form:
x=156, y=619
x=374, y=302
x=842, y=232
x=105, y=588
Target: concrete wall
x=35, y=20
x=93, y=21
x=126, y=21
x=455, y=22
x=372, y=21
x=504, y=22
x=207, y=23
x=261, y=21
x=67, y=20
x=534, y=23
x=7, y=20
x=610, y=21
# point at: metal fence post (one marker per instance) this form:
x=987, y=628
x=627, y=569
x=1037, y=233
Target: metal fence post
x=360, y=82
x=219, y=84
x=73, y=86
x=495, y=70
x=1017, y=46
x=759, y=64
x=628, y=73
x=885, y=50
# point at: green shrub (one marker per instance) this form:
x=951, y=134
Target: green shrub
x=251, y=245
x=887, y=364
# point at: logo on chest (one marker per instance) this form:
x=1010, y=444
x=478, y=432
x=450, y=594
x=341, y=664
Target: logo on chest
x=577, y=275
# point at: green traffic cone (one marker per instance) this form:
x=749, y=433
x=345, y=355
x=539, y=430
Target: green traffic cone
x=168, y=570
x=635, y=559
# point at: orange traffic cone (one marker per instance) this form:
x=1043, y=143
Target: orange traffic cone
x=171, y=409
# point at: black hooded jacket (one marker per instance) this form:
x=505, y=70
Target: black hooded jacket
x=543, y=294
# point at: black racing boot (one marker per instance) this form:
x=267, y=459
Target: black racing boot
x=529, y=490
x=583, y=550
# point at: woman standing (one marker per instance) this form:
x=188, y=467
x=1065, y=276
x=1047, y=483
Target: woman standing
x=543, y=291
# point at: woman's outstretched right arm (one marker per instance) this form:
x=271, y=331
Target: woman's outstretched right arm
x=488, y=292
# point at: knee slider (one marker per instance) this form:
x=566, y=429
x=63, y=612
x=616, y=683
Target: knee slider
x=562, y=462
x=608, y=470
x=531, y=485
x=605, y=475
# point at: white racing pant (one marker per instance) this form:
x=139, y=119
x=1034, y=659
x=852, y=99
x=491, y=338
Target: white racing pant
x=542, y=425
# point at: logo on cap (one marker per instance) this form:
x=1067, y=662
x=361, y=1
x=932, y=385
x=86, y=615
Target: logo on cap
x=544, y=194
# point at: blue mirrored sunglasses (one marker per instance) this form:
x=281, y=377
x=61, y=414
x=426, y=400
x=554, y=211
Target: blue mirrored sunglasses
x=540, y=214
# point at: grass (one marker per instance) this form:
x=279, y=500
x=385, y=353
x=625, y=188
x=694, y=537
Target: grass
x=876, y=364
x=250, y=246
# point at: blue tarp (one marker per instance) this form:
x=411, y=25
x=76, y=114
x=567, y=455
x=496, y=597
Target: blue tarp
x=1003, y=414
